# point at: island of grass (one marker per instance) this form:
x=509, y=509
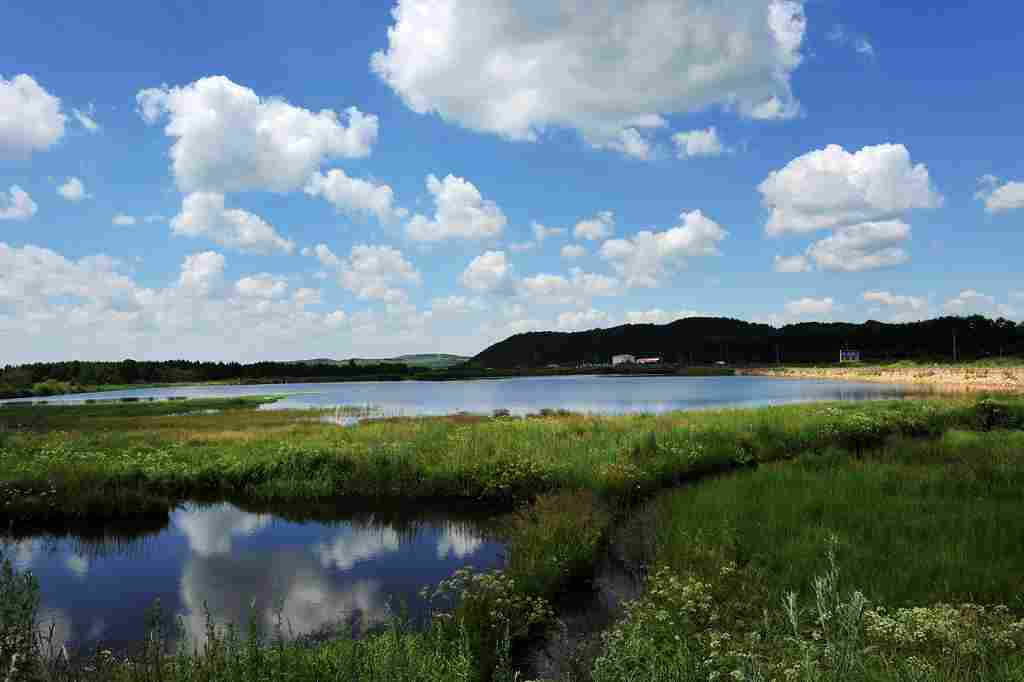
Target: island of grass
x=834, y=541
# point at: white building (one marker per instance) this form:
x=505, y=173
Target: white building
x=648, y=361
x=623, y=359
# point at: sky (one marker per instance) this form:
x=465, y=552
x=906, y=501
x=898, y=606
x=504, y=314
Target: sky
x=183, y=180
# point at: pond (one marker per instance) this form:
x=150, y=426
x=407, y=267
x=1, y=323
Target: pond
x=313, y=575
x=522, y=395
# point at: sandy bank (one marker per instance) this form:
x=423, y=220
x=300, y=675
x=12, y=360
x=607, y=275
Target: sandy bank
x=940, y=376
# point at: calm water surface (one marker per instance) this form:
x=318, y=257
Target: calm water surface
x=314, y=574
x=589, y=394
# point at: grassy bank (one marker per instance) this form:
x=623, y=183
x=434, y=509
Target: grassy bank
x=902, y=563
x=930, y=486
x=92, y=456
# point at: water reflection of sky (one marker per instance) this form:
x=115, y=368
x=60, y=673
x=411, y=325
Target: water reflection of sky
x=522, y=395
x=239, y=565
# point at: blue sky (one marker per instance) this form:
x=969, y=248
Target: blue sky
x=186, y=180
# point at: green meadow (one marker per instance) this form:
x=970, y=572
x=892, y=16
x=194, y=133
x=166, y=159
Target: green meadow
x=876, y=540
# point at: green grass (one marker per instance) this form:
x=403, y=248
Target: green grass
x=92, y=455
x=926, y=531
x=952, y=508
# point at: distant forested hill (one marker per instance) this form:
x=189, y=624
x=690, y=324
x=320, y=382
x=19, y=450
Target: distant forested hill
x=49, y=378
x=709, y=339
x=419, y=360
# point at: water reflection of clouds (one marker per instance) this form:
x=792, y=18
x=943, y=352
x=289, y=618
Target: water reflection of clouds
x=458, y=540
x=22, y=553
x=290, y=582
x=353, y=545
x=291, y=585
x=210, y=530
x=311, y=576
x=78, y=565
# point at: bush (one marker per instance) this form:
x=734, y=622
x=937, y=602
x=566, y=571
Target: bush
x=494, y=611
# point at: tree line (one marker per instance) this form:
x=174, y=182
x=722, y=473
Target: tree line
x=707, y=340
x=50, y=378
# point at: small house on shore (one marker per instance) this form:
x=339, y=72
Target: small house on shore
x=648, y=361
x=623, y=359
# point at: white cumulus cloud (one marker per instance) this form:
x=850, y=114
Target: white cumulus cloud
x=798, y=263
x=644, y=259
x=542, y=232
x=582, y=319
x=31, y=275
x=698, y=143
x=832, y=187
x=970, y=302
x=123, y=220
x=1000, y=197
x=204, y=214
x=16, y=204
x=813, y=307
x=894, y=300
x=573, y=251
x=263, y=285
x=73, y=190
x=488, y=272
x=864, y=246
x=575, y=289
x=202, y=273
x=30, y=118
x=54, y=306
x=461, y=212
x=631, y=142
x=373, y=272
x=304, y=296
x=606, y=69
x=456, y=305
x=599, y=227
x=355, y=196
x=658, y=316
x=228, y=138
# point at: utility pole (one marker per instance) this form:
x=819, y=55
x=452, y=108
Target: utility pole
x=954, y=345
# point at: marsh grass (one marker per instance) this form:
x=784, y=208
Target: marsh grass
x=950, y=507
x=100, y=459
x=920, y=579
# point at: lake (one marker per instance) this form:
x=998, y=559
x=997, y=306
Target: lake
x=522, y=395
x=314, y=574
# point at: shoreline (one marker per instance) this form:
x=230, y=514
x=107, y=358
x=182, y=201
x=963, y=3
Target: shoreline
x=942, y=378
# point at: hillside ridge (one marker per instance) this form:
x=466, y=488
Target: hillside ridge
x=707, y=340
